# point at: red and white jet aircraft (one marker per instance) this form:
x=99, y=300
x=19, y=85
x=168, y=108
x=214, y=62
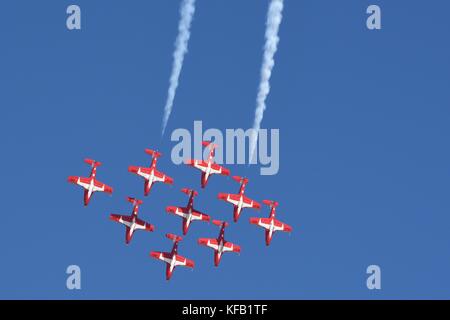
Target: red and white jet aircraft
x=239, y=201
x=132, y=222
x=188, y=213
x=208, y=167
x=150, y=174
x=90, y=184
x=219, y=245
x=173, y=259
x=271, y=224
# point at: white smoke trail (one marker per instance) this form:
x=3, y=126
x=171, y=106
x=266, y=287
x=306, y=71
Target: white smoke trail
x=274, y=17
x=187, y=10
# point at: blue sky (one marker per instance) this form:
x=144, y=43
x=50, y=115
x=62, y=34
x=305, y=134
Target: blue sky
x=364, y=163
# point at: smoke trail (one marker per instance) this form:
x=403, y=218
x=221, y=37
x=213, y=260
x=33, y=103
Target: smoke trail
x=187, y=10
x=274, y=16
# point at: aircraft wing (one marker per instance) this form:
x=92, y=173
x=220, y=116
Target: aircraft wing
x=126, y=220
x=184, y=262
x=197, y=215
x=163, y=256
x=266, y=223
x=212, y=243
x=161, y=177
x=101, y=187
x=280, y=226
x=231, y=198
x=81, y=181
x=215, y=168
x=179, y=211
x=142, y=225
x=199, y=164
x=184, y=213
x=228, y=247
x=140, y=171
x=249, y=203
x=203, y=165
x=235, y=198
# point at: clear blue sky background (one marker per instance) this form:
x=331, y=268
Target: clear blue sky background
x=365, y=164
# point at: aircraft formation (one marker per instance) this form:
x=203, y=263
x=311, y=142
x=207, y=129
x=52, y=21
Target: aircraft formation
x=188, y=214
